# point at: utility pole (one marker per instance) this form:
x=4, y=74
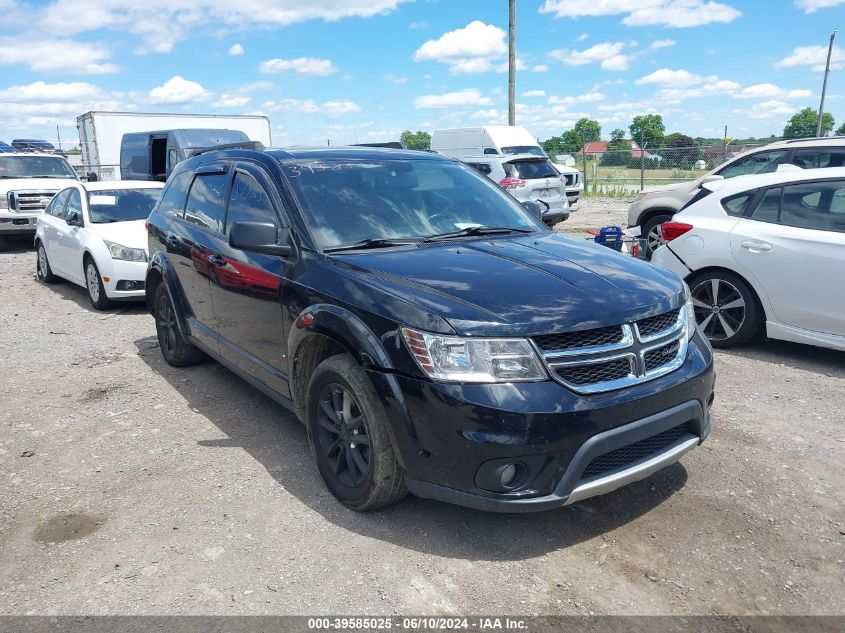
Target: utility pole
x=824, y=84
x=511, y=62
x=59, y=137
x=642, y=159
x=725, y=153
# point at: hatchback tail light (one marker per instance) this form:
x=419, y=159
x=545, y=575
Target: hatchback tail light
x=671, y=230
x=511, y=183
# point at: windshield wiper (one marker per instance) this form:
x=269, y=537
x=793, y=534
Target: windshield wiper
x=370, y=242
x=471, y=231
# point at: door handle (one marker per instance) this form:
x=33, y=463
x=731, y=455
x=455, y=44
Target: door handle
x=217, y=260
x=172, y=240
x=756, y=246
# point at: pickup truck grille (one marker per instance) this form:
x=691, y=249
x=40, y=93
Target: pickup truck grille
x=571, y=179
x=608, y=358
x=29, y=201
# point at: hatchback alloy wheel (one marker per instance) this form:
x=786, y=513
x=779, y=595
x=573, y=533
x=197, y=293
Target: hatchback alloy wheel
x=719, y=308
x=342, y=437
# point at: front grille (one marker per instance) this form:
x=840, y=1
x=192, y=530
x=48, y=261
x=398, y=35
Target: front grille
x=570, y=180
x=595, y=372
x=655, y=324
x=656, y=357
x=29, y=201
x=584, y=338
x=627, y=455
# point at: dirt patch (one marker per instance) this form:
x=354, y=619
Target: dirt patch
x=67, y=527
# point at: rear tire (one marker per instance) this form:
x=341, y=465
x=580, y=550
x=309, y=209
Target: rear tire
x=177, y=351
x=94, y=284
x=347, y=430
x=726, y=308
x=651, y=233
x=42, y=266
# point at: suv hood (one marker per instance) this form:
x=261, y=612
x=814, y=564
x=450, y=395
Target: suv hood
x=676, y=187
x=519, y=286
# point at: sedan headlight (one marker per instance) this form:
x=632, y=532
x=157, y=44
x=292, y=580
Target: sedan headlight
x=478, y=360
x=119, y=251
x=689, y=323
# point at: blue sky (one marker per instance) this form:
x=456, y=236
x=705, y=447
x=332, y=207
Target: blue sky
x=365, y=70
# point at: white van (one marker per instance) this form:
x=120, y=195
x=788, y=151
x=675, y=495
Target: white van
x=498, y=140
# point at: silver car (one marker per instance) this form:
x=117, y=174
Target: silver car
x=652, y=208
x=527, y=177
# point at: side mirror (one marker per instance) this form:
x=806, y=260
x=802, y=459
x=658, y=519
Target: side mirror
x=74, y=219
x=534, y=208
x=712, y=178
x=91, y=176
x=260, y=237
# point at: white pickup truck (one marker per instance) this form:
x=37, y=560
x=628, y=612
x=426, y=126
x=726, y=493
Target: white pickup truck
x=27, y=184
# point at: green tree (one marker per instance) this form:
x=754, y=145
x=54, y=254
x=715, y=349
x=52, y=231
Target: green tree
x=840, y=131
x=572, y=142
x=680, y=148
x=805, y=123
x=617, y=135
x=648, y=129
x=416, y=140
x=587, y=130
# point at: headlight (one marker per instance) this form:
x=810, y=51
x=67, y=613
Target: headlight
x=480, y=360
x=689, y=324
x=119, y=251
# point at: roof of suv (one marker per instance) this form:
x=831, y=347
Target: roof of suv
x=371, y=153
x=810, y=142
x=748, y=182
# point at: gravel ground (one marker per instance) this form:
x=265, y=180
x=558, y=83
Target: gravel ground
x=130, y=487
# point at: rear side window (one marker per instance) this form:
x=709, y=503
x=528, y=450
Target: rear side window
x=738, y=204
x=769, y=207
x=483, y=168
x=819, y=158
x=74, y=203
x=248, y=201
x=172, y=201
x=206, y=201
x=814, y=205
x=759, y=163
x=530, y=169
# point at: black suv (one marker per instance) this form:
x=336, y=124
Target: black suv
x=432, y=334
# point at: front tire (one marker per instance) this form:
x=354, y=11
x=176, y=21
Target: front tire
x=177, y=351
x=726, y=308
x=94, y=283
x=347, y=430
x=651, y=233
x=42, y=266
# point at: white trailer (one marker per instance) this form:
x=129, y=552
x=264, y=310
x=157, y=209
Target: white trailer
x=100, y=133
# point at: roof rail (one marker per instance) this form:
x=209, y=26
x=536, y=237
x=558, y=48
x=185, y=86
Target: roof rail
x=813, y=138
x=255, y=145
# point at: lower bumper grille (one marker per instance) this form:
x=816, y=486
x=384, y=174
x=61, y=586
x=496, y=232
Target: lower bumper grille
x=623, y=457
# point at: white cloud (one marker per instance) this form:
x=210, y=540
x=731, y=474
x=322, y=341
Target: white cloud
x=811, y=6
x=541, y=68
x=178, y=90
x=768, y=110
x=597, y=53
x=668, y=77
x=675, y=13
x=231, y=101
x=771, y=91
x=617, y=62
x=40, y=91
x=467, y=97
x=236, y=49
x=582, y=37
x=302, y=65
x=814, y=56
x=570, y=100
x=658, y=44
x=309, y=106
x=57, y=55
x=336, y=108
x=396, y=80
x=534, y=93
x=476, y=48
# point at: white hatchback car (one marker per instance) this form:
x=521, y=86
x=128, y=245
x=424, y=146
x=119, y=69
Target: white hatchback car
x=764, y=249
x=93, y=234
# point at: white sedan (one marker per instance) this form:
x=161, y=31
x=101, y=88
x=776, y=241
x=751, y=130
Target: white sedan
x=93, y=235
x=764, y=251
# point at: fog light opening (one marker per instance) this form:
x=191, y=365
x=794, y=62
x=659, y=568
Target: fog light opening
x=507, y=475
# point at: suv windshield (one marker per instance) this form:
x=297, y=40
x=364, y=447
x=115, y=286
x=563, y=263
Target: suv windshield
x=524, y=149
x=531, y=169
x=121, y=205
x=347, y=201
x=35, y=167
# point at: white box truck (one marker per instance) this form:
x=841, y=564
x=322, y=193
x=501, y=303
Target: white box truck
x=101, y=137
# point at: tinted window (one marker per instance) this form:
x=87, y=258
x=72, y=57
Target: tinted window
x=35, y=166
x=759, y=163
x=484, y=168
x=814, y=205
x=74, y=203
x=347, y=201
x=736, y=205
x=819, y=158
x=121, y=205
x=769, y=207
x=57, y=204
x=172, y=202
x=205, y=201
x=248, y=201
x=524, y=149
x=531, y=169
x=135, y=155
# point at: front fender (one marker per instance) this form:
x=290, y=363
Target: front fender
x=160, y=266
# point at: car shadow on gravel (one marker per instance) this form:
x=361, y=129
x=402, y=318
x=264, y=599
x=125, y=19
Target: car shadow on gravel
x=69, y=291
x=17, y=244
x=278, y=441
x=819, y=360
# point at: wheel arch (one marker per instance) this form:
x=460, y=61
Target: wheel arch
x=652, y=212
x=758, y=297
x=160, y=271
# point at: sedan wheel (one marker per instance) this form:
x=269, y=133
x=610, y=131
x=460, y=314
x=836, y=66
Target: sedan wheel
x=43, y=270
x=96, y=291
x=725, y=308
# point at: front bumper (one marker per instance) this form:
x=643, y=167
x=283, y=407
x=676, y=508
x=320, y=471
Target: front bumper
x=448, y=435
x=17, y=223
x=119, y=272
